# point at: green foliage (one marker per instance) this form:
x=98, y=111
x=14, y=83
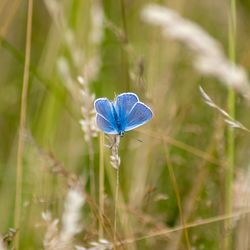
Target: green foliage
x=130, y=56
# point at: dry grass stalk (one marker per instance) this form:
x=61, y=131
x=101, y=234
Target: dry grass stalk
x=63, y=239
x=198, y=223
x=241, y=191
x=52, y=164
x=1, y=243
x=8, y=237
x=209, y=58
x=88, y=122
x=241, y=200
x=115, y=163
x=71, y=215
x=115, y=159
x=88, y=125
x=97, y=22
x=88, y=66
x=102, y=244
x=85, y=63
x=227, y=118
x=51, y=239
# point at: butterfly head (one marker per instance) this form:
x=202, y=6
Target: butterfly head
x=121, y=133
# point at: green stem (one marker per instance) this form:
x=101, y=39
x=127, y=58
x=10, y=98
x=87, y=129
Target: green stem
x=124, y=20
x=230, y=132
x=23, y=110
x=124, y=51
x=177, y=195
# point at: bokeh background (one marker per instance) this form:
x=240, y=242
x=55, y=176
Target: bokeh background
x=115, y=50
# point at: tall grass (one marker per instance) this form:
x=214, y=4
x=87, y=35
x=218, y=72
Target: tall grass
x=101, y=185
x=176, y=174
x=230, y=133
x=21, y=145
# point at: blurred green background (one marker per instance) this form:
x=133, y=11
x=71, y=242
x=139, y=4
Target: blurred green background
x=115, y=51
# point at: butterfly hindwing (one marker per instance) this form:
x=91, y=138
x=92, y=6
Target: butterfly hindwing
x=105, y=115
x=105, y=125
x=139, y=115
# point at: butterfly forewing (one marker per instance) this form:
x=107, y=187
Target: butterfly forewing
x=124, y=104
x=105, y=115
x=138, y=116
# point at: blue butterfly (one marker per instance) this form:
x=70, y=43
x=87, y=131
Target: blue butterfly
x=123, y=114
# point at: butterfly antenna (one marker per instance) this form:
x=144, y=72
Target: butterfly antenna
x=137, y=139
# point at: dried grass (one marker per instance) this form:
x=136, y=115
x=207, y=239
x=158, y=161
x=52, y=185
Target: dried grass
x=209, y=58
x=63, y=239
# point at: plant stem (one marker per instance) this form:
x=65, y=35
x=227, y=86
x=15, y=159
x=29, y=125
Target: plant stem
x=101, y=185
x=230, y=132
x=124, y=51
x=195, y=224
x=20, y=146
x=124, y=20
x=92, y=170
x=177, y=194
x=116, y=202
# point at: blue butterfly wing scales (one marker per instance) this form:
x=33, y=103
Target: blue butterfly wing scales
x=105, y=125
x=124, y=114
x=139, y=115
x=125, y=102
x=123, y=105
x=105, y=118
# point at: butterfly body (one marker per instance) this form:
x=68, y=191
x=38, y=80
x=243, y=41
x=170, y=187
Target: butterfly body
x=118, y=122
x=121, y=115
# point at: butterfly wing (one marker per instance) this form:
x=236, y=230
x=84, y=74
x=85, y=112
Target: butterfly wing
x=123, y=105
x=139, y=115
x=105, y=116
x=105, y=125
